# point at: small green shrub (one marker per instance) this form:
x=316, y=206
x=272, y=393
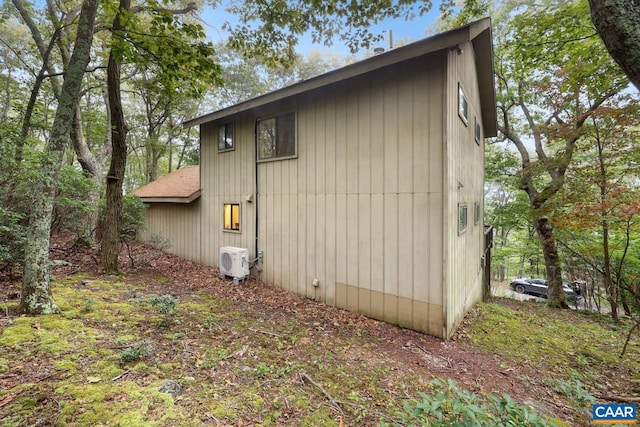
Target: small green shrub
x=89, y=303
x=12, y=237
x=158, y=241
x=449, y=405
x=575, y=393
x=211, y=320
x=132, y=216
x=136, y=352
x=74, y=209
x=166, y=305
x=4, y=366
x=263, y=370
x=19, y=172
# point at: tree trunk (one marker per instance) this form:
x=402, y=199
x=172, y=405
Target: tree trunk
x=153, y=152
x=618, y=23
x=502, y=273
x=110, y=245
x=36, y=291
x=93, y=169
x=553, y=266
x=610, y=285
x=624, y=301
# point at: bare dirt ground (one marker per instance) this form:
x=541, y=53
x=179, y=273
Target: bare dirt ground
x=414, y=352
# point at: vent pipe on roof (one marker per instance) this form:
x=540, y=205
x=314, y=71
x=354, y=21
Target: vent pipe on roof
x=378, y=50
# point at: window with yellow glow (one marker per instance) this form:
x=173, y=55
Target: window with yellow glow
x=232, y=216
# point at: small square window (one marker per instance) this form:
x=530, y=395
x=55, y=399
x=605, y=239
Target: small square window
x=225, y=137
x=476, y=213
x=232, y=216
x=276, y=137
x=462, y=217
x=463, y=105
x=478, y=130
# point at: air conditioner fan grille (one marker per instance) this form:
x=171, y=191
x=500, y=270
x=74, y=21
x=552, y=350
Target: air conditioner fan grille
x=227, y=262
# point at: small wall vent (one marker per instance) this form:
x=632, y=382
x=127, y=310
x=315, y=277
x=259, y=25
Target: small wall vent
x=234, y=262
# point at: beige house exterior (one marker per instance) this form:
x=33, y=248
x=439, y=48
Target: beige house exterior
x=362, y=187
x=174, y=210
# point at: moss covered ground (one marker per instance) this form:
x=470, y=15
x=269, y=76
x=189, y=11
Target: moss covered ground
x=106, y=358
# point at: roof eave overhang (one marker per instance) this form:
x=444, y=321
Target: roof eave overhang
x=479, y=32
x=482, y=39
x=179, y=200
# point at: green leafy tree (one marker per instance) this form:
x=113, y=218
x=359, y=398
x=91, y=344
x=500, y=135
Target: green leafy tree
x=53, y=39
x=553, y=75
x=505, y=208
x=36, y=292
x=156, y=137
x=153, y=38
x=16, y=180
x=73, y=203
x=269, y=30
x=13, y=41
x=602, y=190
x=246, y=78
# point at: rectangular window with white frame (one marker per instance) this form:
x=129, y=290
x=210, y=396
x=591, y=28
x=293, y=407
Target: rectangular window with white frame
x=225, y=137
x=231, y=215
x=276, y=137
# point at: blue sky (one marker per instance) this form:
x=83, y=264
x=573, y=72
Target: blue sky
x=401, y=30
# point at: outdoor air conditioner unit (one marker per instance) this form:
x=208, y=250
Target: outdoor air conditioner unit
x=234, y=262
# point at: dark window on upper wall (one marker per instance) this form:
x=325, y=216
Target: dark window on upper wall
x=463, y=105
x=478, y=130
x=476, y=213
x=276, y=136
x=225, y=137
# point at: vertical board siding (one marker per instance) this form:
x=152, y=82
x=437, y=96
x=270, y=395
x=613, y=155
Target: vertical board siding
x=404, y=283
x=331, y=215
x=377, y=242
x=179, y=224
x=227, y=177
x=465, y=184
x=361, y=208
x=355, y=210
x=368, y=206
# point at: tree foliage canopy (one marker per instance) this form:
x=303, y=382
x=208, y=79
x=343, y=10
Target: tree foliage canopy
x=566, y=108
x=270, y=29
